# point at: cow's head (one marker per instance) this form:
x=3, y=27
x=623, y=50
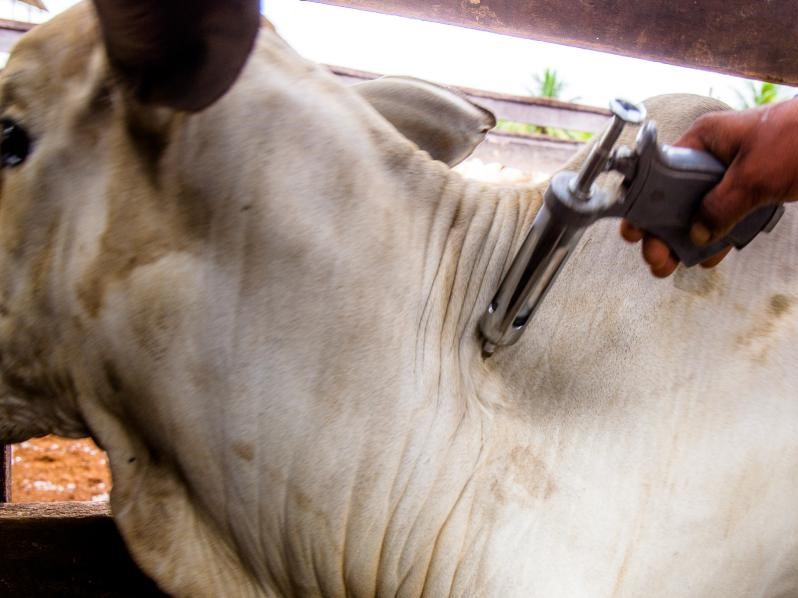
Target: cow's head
x=158, y=174
x=93, y=104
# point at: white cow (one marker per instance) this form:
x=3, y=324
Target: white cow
x=262, y=300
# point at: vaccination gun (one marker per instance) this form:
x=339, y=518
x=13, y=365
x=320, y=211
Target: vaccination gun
x=661, y=190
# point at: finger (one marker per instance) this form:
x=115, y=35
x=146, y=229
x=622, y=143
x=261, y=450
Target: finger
x=655, y=252
x=695, y=137
x=719, y=133
x=716, y=259
x=630, y=232
x=665, y=269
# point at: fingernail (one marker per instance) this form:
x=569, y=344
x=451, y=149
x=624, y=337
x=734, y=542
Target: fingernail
x=699, y=234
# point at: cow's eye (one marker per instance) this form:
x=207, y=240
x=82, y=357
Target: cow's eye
x=14, y=144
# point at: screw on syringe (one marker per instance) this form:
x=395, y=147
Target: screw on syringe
x=623, y=113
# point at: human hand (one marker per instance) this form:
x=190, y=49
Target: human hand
x=760, y=147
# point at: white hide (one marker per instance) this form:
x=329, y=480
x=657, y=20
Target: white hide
x=272, y=330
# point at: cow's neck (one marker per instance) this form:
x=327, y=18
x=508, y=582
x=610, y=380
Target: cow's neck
x=472, y=236
x=321, y=318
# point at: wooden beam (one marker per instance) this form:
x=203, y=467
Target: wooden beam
x=535, y=155
x=744, y=38
x=542, y=111
x=66, y=549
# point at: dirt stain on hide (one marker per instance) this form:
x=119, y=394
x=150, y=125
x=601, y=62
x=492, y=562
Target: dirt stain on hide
x=145, y=223
x=520, y=476
x=758, y=339
x=779, y=305
x=244, y=450
x=699, y=283
x=41, y=266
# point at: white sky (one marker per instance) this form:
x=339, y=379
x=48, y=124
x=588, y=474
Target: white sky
x=393, y=45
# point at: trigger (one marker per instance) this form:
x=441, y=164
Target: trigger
x=774, y=219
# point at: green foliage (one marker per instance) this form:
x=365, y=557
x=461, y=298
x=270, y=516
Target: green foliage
x=758, y=94
x=509, y=126
x=548, y=85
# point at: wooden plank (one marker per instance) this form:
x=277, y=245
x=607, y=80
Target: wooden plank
x=535, y=155
x=542, y=111
x=66, y=549
x=19, y=26
x=744, y=38
x=545, y=112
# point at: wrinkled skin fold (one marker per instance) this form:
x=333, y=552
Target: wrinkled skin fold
x=265, y=310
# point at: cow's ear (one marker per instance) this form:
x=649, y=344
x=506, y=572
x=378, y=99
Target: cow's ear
x=183, y=54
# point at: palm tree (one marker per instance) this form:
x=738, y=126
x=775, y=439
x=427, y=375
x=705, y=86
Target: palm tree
x=547, y=85
x=550, y=85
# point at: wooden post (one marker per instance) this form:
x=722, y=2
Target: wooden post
x=5, y=474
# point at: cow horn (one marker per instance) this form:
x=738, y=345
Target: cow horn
x=184, y=54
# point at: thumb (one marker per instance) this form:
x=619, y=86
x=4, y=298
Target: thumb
x=722, y=208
